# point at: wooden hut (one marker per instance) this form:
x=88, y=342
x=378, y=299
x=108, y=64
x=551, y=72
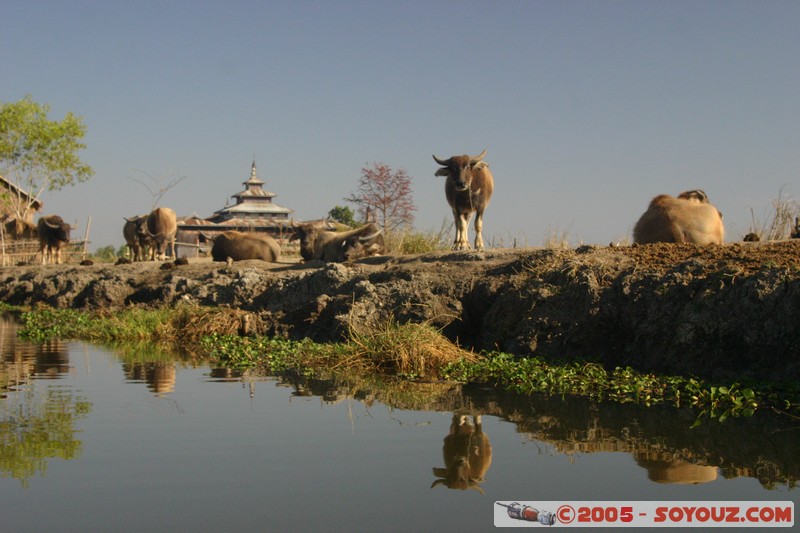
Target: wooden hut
x=17, y=231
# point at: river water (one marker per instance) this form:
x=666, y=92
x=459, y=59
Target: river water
x=96, y=439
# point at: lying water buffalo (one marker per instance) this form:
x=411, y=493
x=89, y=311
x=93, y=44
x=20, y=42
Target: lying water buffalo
x=162, y=226
x=468, y=189
x=53, y=236
x=467, y=455
x=135, y=233
x=240, y=246
x=688, y=218
x=317, y=243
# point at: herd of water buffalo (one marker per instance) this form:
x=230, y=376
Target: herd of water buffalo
x=469, y=184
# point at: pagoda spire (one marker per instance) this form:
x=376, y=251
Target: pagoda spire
x=253, y=177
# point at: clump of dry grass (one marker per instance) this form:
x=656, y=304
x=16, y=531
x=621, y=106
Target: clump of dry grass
x=513, y=242
x=556, y=239
x=412, y=350
x=780, y=222
x=190, y=324
x=415, y=242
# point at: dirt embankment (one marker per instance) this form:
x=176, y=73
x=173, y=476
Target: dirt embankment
x=718, y=312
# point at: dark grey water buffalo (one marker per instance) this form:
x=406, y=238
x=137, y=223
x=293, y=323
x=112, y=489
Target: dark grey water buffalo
x=316, y=243
x=468, y=189
x=162, y=226
x=240, y=246
x=796, y=229
x=688, y=218
x=53, y=236
x=135, y=233
x=467, y=455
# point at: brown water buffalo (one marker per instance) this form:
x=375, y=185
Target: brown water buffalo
x=795, y=234
x=688, y=218
x=53, y=236
x=317, y=243
x=240, y=246
x=467, y=455
x=468, y=189
x=135, y=233
x=162, y=226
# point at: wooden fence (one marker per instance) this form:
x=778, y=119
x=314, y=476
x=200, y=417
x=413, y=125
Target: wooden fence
x=27, y=252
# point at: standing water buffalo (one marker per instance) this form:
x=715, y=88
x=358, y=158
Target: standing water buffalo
x=135, y=233
x=688, y=218
x=53, y=235
x=162, y=226
x=338, y=246
x=467, y=455
x=240, y=246
x=468, y=189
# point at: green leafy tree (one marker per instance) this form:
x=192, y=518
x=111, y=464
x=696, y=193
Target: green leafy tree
x=106, y=253
x=38, y=154
x=343, y=214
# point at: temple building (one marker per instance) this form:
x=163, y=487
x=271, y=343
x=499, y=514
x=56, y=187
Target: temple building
x=253, y=207
x=253, y=210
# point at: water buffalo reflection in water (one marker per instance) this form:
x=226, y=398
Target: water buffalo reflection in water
x=467, y=455
x=679, y=471
x=159, y=376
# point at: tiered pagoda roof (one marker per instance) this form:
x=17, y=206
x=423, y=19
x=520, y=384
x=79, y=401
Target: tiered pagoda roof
x=253, y=204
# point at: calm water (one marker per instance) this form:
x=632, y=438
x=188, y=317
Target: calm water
x=94, y=441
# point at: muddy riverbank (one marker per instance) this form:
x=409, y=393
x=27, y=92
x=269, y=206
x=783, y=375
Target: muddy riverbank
x=719, y=312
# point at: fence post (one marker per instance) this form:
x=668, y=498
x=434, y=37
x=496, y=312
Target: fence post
x=3, y=242
x=86, y=238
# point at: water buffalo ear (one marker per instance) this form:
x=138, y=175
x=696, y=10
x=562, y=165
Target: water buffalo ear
x=443, y=172
x=479, y=165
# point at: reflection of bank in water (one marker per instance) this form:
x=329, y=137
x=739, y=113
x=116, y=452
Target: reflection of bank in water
x=21, y=360
x=37, y=423
x=662, y=470
x=759, y=447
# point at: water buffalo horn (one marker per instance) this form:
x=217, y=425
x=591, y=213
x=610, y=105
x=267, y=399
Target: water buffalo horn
x=366, y=238
x=477, y=159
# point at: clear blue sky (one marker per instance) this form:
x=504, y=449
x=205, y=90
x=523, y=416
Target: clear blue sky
x=587, y=108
